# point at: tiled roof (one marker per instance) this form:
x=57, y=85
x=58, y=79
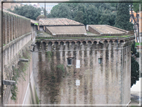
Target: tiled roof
x=58, y=21
x=106, y=29
x=67, y=30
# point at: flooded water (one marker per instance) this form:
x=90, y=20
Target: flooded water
x=76, y=77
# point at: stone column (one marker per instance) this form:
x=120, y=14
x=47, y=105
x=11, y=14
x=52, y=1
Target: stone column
x=61, y=53
x=10, y=34
x=82, y=57
x=88, y=55
x=5, y=57
x=46, y=48
x=3, y=35
x=9, y=55
x=5, y=28
x=122, y=73
x=11, y=26
x=66, y=52
x=119, y=72
x=103, y=73
x=8, y=37
x=12, y=52
x=109, y=75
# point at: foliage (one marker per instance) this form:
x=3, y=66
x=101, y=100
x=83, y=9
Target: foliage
x=134, y=71
x=122, y=18
x=27, y=11
x=134, y=65
x=86, y=13
x=17, y=72
x=136, y=6
x=35, y=23
x=133, y=49
x=49, y=55
x=136, y=44
x=61, y=67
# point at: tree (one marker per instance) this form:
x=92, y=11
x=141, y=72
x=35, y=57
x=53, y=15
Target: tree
x=136, y=7
x=79, y=16
x=86, y=13
x=60, y=11
x=27, y=11
x=123, y=17
x=134, y=65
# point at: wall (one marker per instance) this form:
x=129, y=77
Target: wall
x=106, y=83
x=17, y=39
x=14, y=26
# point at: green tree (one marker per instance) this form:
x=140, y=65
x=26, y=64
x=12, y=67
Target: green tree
x=123, y=17
x=60, y=11
x=79, y=16
x=134, y=65
x=27, y=11
x=136, y=6
x=86, y=13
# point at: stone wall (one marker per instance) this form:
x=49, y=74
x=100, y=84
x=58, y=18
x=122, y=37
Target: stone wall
x=105, y=83
x=14, y=26
x=11, y=54
x=18, y=35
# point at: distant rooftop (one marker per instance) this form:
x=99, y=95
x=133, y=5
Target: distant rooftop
x=67, y=30
x=106, y=29
x=57, y=21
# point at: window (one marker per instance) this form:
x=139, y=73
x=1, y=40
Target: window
x=69, y=61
